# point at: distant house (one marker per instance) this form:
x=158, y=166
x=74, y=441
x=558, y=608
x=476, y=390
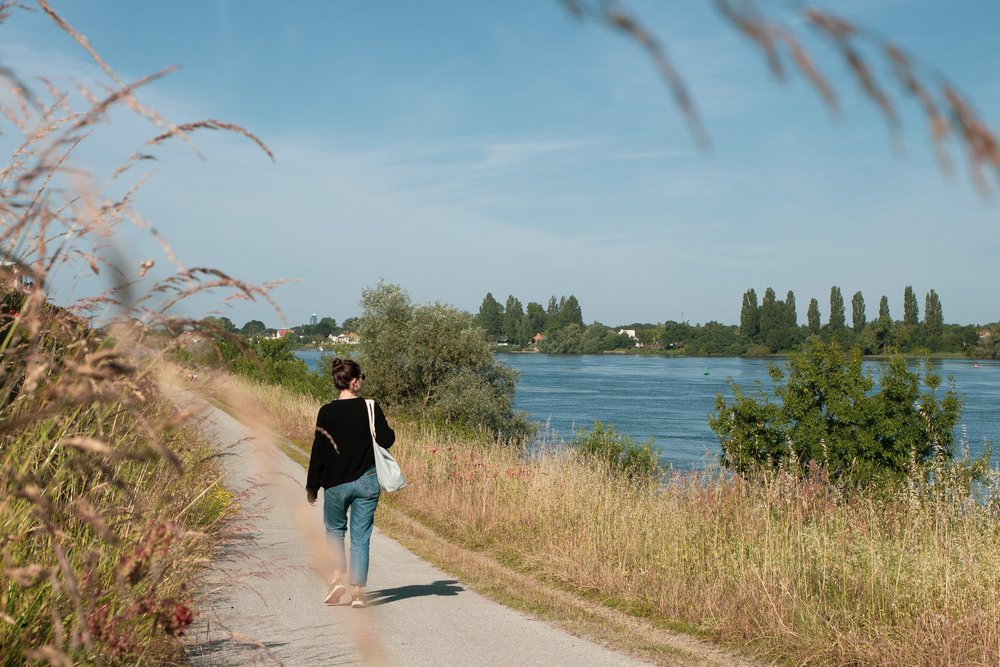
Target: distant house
x=538, y=338
x=350, y=338
x=631, y=334
x=279, y=333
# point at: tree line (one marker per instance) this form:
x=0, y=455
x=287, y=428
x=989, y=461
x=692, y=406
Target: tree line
x=557, y=328
x=767, y=325
x=772, y=325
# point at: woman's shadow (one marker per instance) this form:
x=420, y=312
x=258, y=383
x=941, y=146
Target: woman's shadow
x=387, y=595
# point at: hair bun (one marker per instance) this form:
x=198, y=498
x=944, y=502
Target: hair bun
x=337, y=362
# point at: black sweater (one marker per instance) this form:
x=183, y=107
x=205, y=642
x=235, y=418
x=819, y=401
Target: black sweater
x=346, y=421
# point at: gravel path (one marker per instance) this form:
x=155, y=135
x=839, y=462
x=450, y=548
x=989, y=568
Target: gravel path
x=263, y=602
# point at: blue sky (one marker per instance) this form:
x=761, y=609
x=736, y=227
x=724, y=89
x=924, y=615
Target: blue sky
x=457, y=148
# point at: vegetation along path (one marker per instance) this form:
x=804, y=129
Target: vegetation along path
x=262, y=602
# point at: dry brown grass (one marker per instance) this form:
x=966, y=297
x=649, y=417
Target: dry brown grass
x=782, y=568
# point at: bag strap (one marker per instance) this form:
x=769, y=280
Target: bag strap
x=370, y=405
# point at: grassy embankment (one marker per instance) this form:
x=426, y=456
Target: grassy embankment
x=109, y=508
x=779, y=568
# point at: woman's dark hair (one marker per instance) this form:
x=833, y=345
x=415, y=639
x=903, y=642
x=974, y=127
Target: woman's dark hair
x=345, y=370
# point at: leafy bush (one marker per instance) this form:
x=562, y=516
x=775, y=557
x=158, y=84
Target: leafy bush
x=265, y=360
x=435, y=360
x=826, y=412
x=608, y=446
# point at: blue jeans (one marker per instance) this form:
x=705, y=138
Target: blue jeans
x=361, y=496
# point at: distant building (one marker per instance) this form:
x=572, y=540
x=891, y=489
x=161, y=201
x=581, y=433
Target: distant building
x=347, y=339
x=313, y=320
x=279, y=333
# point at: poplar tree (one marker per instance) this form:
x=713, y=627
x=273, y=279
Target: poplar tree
x=750, y=315
x=883, y=311
x=490, y=317
x=836, y=309
x=858, y=312
x=570, y=311
x=513, y=313
x=933, y=317
x=812, y=316
x=911, y=314
x=791, y=317
x=770, y=318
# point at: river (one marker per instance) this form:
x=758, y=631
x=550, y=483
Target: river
x=669, y=399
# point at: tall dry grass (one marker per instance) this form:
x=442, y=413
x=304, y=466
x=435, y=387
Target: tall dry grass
x=780, y=566
x=107, y=502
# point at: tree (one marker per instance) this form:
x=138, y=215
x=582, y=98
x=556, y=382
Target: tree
x=883, y=310
x=826, y=412
x=564, y=340
x=513, y=313
x=836, y=310
x=570, y=311
x=435, y=359
x=536, y=319
x=220, y=323
x=910, y=313
x=933, y=318
x=775, y=329
x=253, y=328
x=883, y=326
x=791, y=316
x=490, y=317
x=384, y=331
x=812, y=317
x=552, y=310
x=326, y=327
x=858, y=312
x=750, y=315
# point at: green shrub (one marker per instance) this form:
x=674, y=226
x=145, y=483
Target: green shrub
x=608, y=446
x=826, y=412
x=434, y=360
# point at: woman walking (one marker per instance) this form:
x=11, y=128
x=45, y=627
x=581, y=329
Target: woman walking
x=342, y=463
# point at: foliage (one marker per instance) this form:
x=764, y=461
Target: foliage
x=813, y=317
x=933, y=319
x=858, y=318
x=436, y=360
x=491, y=317
x=827, y=412
x=750, y=315
x=837, y=318
x=271, y=361
x=911, y=313
x=607, y=446
x=253, y=328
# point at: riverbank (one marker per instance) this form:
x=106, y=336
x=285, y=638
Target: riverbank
x=783, y=568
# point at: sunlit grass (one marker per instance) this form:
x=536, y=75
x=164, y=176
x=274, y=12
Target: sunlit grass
x=781, y=566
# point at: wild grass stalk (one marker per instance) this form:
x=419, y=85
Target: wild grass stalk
x=107, y=501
